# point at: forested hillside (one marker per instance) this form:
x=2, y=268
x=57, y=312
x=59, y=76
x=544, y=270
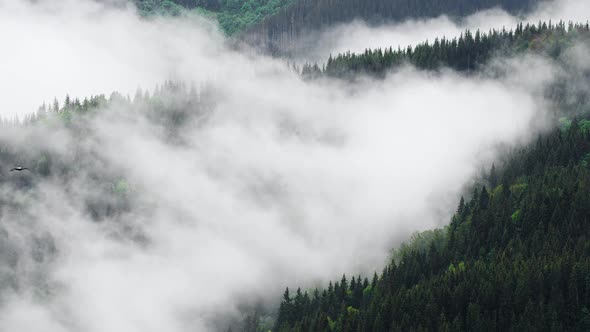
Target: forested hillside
x=276, y=24
x=278, y=33
x=171, y=106
x=468, y=52
x=515, y=257
x=442, y=186
x=233, y=15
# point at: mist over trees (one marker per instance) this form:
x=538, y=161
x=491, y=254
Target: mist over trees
x=515, y=254
x=233, y=15
x=172, y=106
x=227, y=197
x=279, y=33
x=514, y=257
x=469, y=52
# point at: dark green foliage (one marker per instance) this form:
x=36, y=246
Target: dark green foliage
x=467, y=53
x=233, y=15
x=487, y=270
x=275, y=23
x=162, y=7
x=279, y=32
x=237, y=15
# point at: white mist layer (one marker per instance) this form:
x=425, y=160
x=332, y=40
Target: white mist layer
x=85, y=48
x=358, y=36
x=288, y=182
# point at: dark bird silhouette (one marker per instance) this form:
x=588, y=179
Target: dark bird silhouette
x=19, y=169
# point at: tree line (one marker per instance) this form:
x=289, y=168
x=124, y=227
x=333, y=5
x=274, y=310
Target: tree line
x=468, y=52
x=279, y=33
x=515, y=257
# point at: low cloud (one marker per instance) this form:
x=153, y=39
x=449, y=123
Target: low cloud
x=285, y=182
x=359, y=36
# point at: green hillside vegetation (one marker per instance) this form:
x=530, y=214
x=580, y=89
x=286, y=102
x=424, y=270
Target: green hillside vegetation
x=233, y=15
x=267, y=20
x=516, y=254
x=515, y=257
x=468, y=52
x=278, y=33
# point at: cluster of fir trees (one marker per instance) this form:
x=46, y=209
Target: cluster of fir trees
x=515, y=257
x=278, y=33
x=467, y=53
x=172, y=104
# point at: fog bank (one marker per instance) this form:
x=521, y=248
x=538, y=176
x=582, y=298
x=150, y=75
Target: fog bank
x=286, y=182
x=359, y=36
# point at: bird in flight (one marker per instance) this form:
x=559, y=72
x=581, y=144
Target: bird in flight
x=19, y=169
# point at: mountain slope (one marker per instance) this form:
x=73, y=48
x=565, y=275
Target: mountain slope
x=279, y=33
x=233, y=15
x=515, y=256
x=469, y=52
x=275, y=25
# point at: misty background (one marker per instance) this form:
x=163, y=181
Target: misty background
x=271, y=181
x=358, y=35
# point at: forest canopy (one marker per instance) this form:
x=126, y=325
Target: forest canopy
x=233, y=15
